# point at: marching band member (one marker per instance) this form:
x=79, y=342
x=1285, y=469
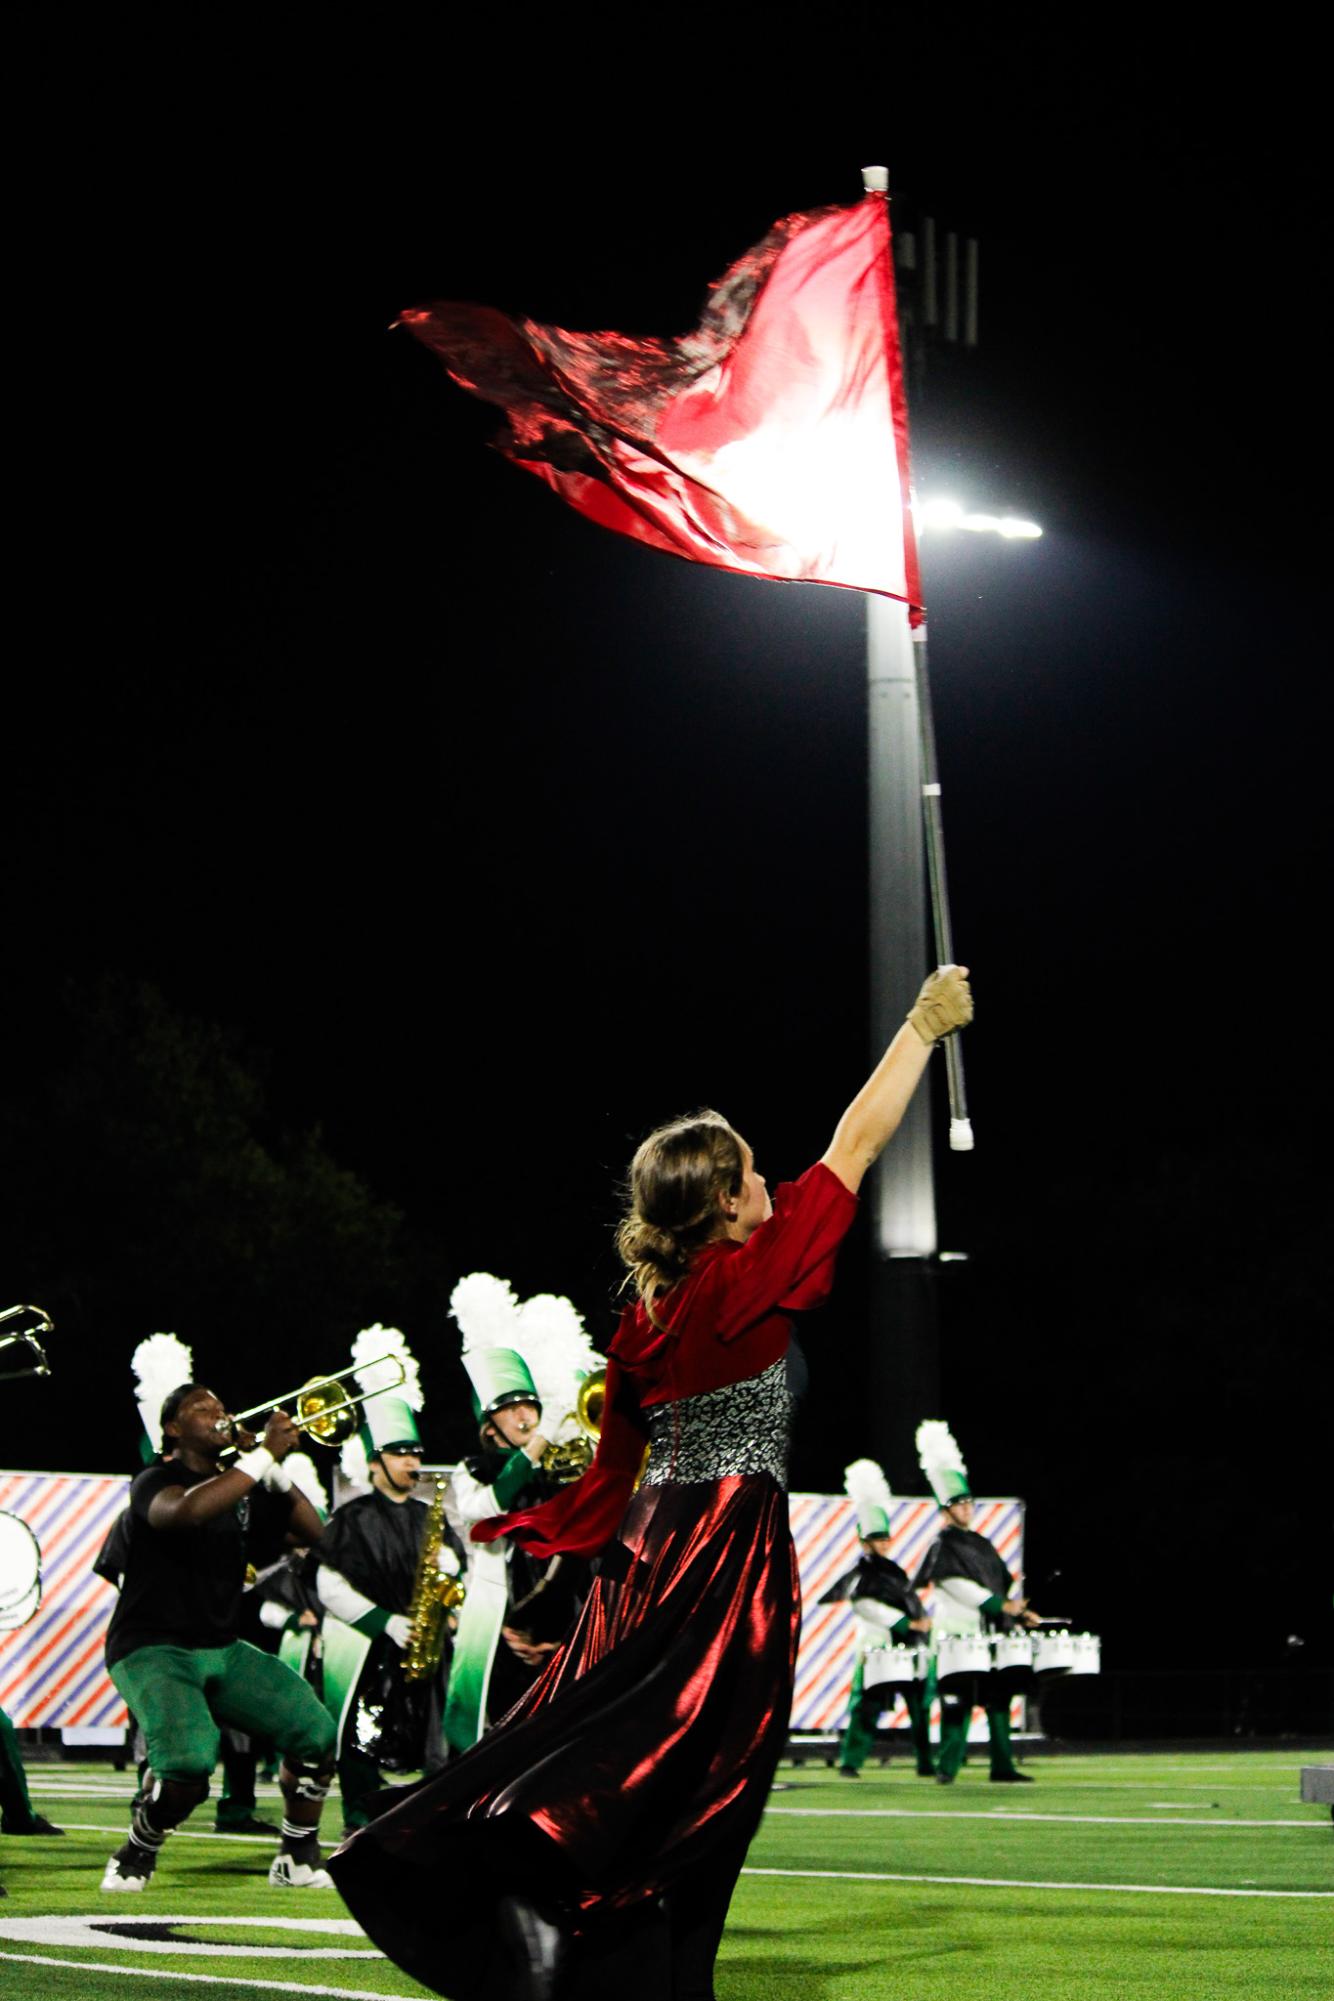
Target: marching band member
x=973, y=1595
x=173, y=1650
x=520, y=1360
x=886, y=1608
x=368, y=1566
x=159, y=1363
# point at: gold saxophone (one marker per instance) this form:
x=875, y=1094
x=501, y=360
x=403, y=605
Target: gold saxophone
x=435, y=1594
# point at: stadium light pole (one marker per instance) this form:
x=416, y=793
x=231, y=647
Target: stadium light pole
x=904, y=792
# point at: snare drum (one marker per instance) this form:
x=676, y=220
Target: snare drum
x=963, y=1653
x=889, y=1664
x=1011, y=1652
x=1053, y=1653
x=1088, y=1654
x=20, y=1573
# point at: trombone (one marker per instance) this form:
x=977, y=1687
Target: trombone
x=326, y=1405
x=31, y=1355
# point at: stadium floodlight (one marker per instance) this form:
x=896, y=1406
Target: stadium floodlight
x=937, y=516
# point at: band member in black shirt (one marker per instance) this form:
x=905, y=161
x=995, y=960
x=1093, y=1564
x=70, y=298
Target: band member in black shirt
x=172, y=1646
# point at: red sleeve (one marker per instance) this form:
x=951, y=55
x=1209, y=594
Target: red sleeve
x=583, y=1517
x=788, y=1262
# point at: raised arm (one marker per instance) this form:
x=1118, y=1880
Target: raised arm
x=873, y=1117
x=192, y=1507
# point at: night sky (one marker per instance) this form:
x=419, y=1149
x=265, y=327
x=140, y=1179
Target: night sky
x=495, y=840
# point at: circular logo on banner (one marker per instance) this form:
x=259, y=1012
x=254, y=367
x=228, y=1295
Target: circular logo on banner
x=173, y=1934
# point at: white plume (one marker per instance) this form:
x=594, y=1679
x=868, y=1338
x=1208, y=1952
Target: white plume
x=305, y=1475
x=866, y=1487
x=486, y=1309
x=551, y=1336
x=353, y=1463
x=375, y=1344
x=938, y=1452
x=161, y=1364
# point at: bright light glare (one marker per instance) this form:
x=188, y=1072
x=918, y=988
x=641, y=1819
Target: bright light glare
x=938, y=514
x=948, y=515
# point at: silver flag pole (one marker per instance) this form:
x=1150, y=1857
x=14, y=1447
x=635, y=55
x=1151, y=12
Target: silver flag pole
x=961, y=1128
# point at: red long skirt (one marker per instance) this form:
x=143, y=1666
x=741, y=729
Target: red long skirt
x=637, y=1766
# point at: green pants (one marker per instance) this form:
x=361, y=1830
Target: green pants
x=956, y=1710
x=858, y=1738
x=183, y=1696
x=16, y=1809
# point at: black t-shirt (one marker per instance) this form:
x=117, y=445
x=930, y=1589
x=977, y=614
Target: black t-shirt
x=181, y=1587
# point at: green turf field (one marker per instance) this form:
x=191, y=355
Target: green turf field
x=1184, y=1877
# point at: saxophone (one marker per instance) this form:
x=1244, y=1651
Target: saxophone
x=435, y=1594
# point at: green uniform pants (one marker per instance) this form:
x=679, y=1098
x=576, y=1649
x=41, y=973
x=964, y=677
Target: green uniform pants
x=858, y=1739
x=17, y=1814
x=183, y=1696
x=956, y=1710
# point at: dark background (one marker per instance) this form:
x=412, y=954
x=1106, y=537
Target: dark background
x=386, y=849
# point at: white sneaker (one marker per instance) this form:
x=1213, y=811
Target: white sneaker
x=286, y=1873
x=117, y=1876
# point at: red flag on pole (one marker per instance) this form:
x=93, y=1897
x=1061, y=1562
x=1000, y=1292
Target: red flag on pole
x=772, y=440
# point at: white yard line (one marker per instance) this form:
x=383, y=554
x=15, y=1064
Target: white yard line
x=81, y=1792
x=127, y=1972
x=127, y=1787
x=1244, y=1762
x=1003, y=1813
x=179, y=1833
x=1023, y=1883
x=1061, y=1781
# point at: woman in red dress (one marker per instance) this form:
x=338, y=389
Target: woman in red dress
x=598, y=1831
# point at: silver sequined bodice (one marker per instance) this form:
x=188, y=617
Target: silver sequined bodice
x=743, y=1428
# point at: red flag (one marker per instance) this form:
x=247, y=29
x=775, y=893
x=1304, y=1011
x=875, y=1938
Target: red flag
x=772, y=440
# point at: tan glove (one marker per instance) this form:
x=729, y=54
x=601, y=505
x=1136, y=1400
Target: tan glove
x=943, y=1005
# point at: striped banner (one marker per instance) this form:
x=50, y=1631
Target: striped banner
x=824, y=1528
x=51, y=1670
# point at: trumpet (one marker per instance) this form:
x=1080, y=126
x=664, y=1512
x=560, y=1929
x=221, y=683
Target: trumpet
x=30, y=1355
x=325, y=1406
x=572, y=1457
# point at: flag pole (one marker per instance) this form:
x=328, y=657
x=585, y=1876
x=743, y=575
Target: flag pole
x=961, y=1128
x=875, y=180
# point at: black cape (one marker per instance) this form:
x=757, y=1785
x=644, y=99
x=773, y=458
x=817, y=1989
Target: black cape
x=374, y=1544
x=877, y=1577
x=964, y=1553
